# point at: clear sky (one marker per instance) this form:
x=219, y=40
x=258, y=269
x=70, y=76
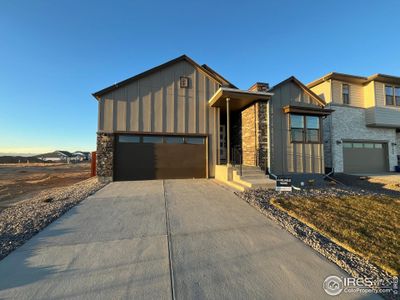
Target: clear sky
x=54, y=54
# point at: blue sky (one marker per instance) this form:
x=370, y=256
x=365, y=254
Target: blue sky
x=54, y=54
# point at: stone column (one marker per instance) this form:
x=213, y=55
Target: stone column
x=105, y=156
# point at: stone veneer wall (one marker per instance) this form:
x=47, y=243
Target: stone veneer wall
x=262, y=133
x=249, y=136
x=255, y=135
x=348, y=123
x=105, y=156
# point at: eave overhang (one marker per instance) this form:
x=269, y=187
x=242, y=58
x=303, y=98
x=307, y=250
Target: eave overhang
x=292, y=109
x=239, y=99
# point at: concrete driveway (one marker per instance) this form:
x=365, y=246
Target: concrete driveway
x=182, y=239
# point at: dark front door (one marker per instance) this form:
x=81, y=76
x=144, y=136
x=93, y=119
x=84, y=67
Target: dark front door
x=159, y=157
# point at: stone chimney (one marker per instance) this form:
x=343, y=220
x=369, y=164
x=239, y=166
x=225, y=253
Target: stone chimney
x=259, y=87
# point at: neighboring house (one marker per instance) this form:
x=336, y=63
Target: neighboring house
x=81, y=155
x=362, y=135
x=184, y=120
x=56, y=156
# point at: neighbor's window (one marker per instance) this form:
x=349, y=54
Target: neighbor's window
x=389, y=95
x=305, y=129
x=346, y=93
x=312, y=132
x=297, y=128
x=397, y=95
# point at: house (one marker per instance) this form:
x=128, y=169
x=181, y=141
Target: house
x=363, y=134
x=81, y=155
x=56, y=156
x=184, y=120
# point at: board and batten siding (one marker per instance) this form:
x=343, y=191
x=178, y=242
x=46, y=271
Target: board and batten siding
x=157, y=104
x=288, y=157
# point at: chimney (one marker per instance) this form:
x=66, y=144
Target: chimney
x=259, y=87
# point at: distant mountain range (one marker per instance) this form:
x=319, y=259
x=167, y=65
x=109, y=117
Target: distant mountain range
x=58, y=155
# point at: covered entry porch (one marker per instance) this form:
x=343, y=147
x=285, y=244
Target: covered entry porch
x=243, y=131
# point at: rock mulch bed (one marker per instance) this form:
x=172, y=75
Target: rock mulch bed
x=20, y=222
x=353, y=264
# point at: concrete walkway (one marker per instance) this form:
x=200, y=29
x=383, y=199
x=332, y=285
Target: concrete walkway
x=188, y=239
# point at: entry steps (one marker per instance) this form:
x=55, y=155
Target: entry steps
x=251, y=178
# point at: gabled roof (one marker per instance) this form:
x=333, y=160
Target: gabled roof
x=355, y=79
x=303, y=87
x=205, y=69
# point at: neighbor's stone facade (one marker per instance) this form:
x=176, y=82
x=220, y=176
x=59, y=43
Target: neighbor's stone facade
x=105, y=156
x=255, y=135
x=348, y=123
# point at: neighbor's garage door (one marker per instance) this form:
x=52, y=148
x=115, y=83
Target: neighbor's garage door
x=364, y=157
x=159, y=157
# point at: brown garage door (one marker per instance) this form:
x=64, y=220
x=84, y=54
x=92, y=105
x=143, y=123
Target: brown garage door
x=159, y=157
x=364, y=158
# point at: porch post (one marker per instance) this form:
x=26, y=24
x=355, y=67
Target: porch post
x=228, y=134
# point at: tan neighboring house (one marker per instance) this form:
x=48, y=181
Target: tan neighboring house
x=363, y=134
x=184, y=120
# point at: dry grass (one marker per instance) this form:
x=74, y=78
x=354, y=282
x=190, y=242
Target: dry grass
x=367, y=225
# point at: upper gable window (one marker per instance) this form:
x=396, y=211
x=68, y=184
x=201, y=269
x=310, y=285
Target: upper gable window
x=389, y=95
x=346, y=93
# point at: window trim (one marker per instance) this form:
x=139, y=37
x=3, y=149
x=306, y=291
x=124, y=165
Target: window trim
x=305, y=129
x=348, y=93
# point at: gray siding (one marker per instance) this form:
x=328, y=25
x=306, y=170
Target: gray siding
x=157, y=104
x=287, y=157
x=382, y=117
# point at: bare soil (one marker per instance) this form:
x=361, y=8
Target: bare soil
x=23, y=181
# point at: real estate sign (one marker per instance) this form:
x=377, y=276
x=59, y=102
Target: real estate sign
x=283, y=184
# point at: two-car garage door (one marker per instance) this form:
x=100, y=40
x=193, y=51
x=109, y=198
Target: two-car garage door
x=365, y=157
x=142, y=157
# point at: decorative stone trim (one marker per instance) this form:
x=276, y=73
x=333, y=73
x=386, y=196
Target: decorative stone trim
x=105, y=156
x=255, y=135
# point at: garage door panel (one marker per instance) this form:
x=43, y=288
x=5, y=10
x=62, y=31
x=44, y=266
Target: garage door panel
x=364, y=158
x=180, y=161
x=143, y=161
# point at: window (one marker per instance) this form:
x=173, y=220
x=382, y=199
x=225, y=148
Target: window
x=194, y=140
x=173, y=140
x=397, y=95
x=389, y=95
x=297, y=128
x=129, y=139
x=152, y=139
x=378, y=146
x=346, y=93
x=305, y=129
x=368, y=146
x=347, y=145
x=312, y=124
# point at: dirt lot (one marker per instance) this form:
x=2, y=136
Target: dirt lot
x=20, y=181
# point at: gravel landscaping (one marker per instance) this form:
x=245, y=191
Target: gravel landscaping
x=20, y=222
x=354, y=265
